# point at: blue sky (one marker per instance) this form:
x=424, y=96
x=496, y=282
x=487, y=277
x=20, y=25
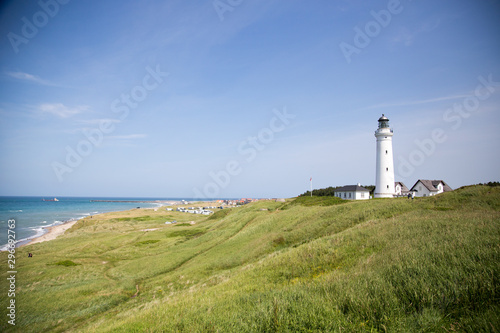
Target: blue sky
x=244, y=98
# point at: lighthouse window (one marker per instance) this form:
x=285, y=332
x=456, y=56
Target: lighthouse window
x=386, y=152
x=386, y=169
x=387, y=186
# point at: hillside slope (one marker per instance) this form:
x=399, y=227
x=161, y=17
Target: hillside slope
x=310, y=264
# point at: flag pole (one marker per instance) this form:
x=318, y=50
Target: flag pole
x=311, y=180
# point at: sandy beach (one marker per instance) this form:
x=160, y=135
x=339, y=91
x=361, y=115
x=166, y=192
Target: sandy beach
x=53, y=233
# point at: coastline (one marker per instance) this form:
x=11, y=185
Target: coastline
x=52, y=233
x=55, y=231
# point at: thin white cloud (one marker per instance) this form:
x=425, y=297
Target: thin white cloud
x=62, y=111
x=29, y=77
x=124, y=141
x=430, y=25
x=99, y=121
x=406, y=35
x=128, y=137
x=423, y=101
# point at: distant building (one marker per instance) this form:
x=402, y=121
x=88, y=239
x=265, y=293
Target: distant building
x=427, y=188
x=352, y=192
x=401, y=189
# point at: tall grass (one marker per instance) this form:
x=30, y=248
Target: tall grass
x=423, y=265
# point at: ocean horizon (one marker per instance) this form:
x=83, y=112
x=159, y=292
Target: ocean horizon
x=33, y=215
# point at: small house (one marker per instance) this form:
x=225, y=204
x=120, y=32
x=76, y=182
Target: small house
x=427, y=188
x=352, y=192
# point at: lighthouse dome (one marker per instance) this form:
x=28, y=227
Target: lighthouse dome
x=383, y=118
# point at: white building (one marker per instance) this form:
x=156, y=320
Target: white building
x=427, y=188
x=352, y=192
x=401, y=189
x=384, y=177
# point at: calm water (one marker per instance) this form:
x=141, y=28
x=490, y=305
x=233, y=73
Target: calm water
x=33, y=215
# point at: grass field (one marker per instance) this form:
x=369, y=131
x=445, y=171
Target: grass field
x=307, y=265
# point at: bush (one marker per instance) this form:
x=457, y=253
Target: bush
x=66, y=263
x=146, y=242
x=330, y=191
x=190, y=233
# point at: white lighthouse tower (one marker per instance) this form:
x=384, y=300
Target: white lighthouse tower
x=384, y=183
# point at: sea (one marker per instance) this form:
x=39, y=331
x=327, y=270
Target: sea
x=33, y=215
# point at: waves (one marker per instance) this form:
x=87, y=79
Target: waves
x=33, y=216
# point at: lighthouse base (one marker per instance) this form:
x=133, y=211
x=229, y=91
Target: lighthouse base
x=383, y=195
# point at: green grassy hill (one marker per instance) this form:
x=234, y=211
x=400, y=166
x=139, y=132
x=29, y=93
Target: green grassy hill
x=308, y=265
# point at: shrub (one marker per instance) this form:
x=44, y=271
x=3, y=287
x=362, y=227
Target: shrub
x=146, y=242
x=190, y=233
x=279, y=241
x=66, y=263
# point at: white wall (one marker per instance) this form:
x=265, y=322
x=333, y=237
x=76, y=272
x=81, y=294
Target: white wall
x=351, y=195
x=398, y=189
x=362, y=195
x=384, y=180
